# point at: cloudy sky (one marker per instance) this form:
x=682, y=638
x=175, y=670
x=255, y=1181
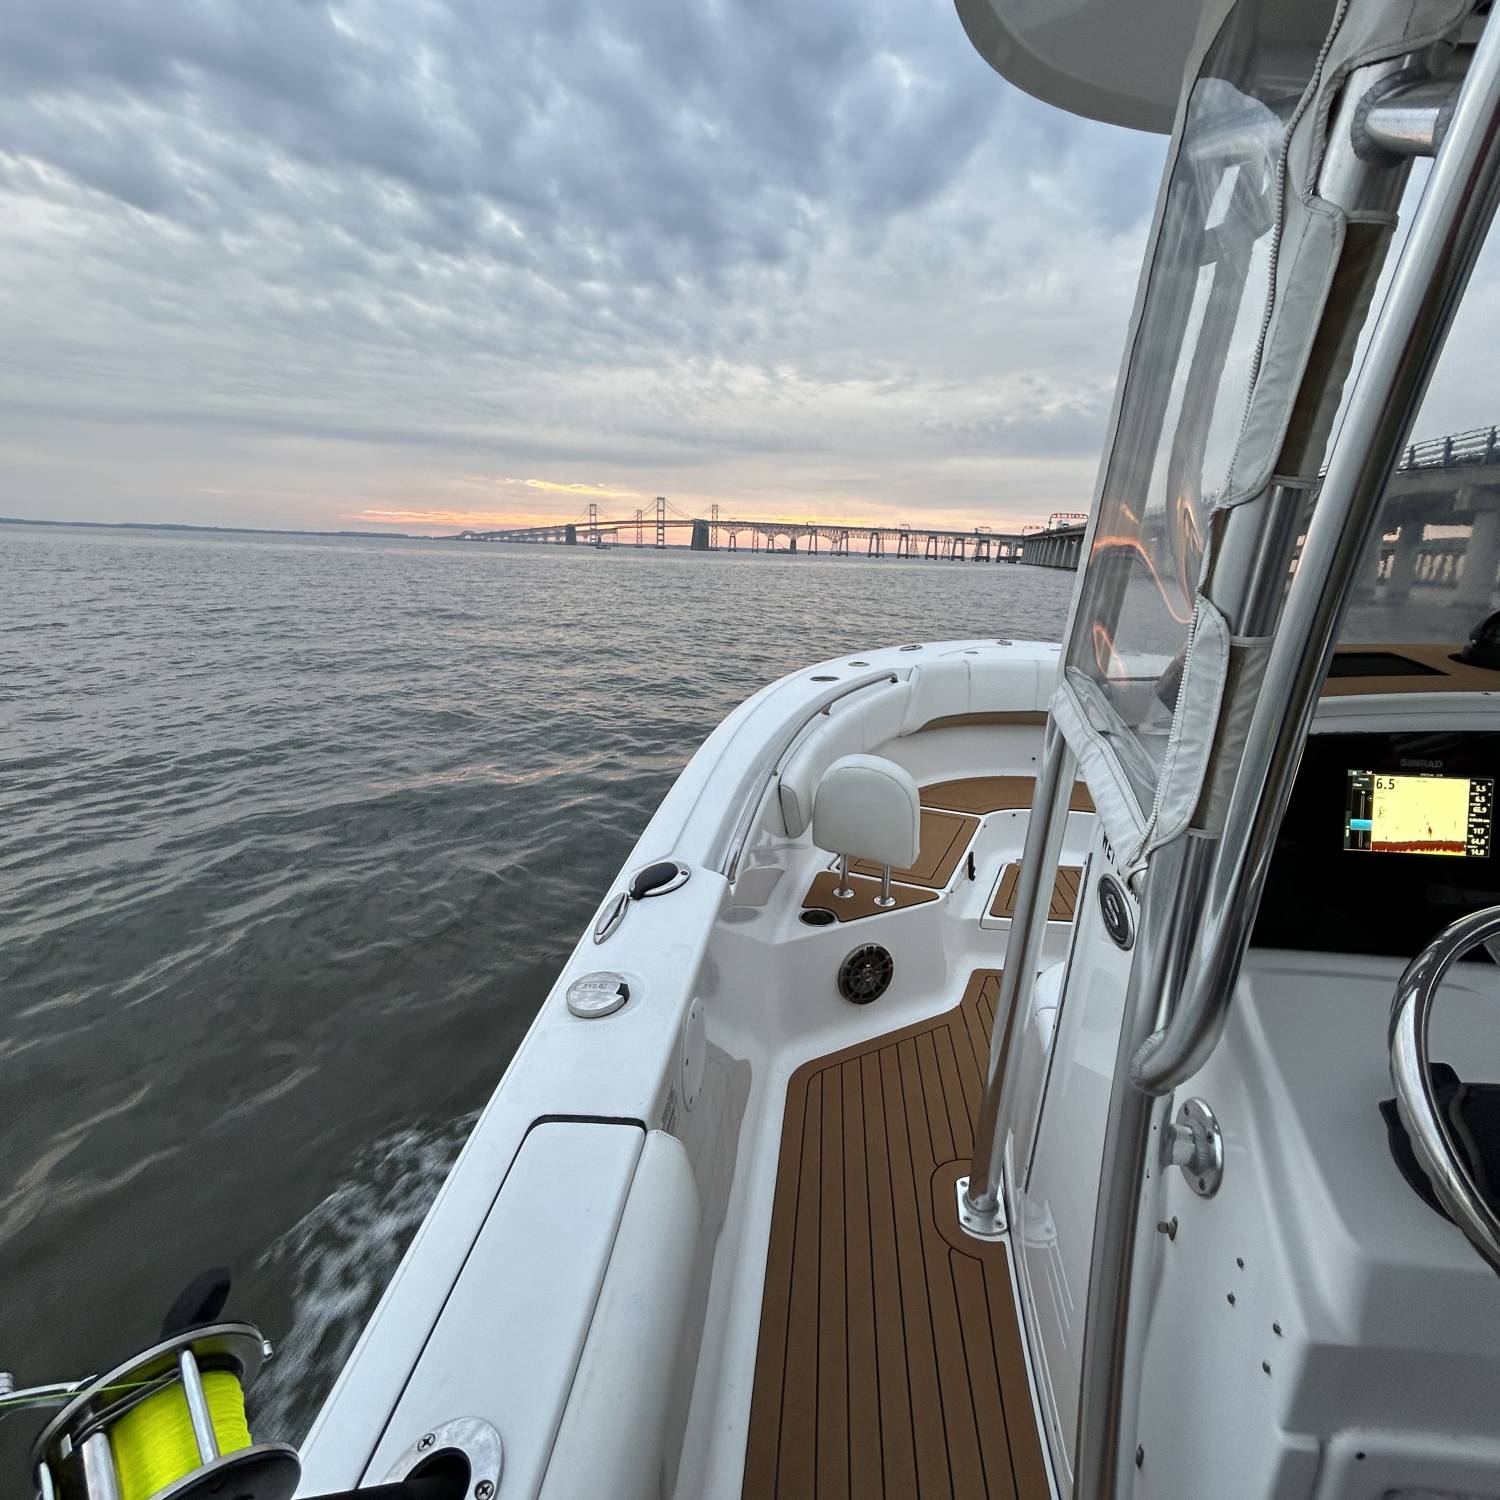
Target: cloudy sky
x=297, y=263
x=418, y=263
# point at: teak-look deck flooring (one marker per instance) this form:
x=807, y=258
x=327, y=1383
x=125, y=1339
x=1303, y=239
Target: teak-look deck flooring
x=1065, y=887
x=889, y=1362
x=944, y=838
x=987, y=794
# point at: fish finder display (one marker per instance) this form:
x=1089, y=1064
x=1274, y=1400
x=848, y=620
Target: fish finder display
x=1419, y=814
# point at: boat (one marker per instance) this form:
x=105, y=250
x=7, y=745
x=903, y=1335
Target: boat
x=1030, y=1069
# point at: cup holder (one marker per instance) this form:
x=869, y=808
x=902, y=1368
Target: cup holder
x=817, y=916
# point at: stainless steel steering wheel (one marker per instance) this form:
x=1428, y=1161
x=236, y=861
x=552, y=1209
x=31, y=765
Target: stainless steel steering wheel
x=1432, y=1136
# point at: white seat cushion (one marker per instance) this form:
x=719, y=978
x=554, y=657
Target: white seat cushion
x=868, y=808
x=938, y=689
x=958, y=684
x=964, y=684
x=1009, y=684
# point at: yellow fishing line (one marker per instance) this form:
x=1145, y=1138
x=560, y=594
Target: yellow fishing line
x=153, y=1443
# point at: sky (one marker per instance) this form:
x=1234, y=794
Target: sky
x=424, y=264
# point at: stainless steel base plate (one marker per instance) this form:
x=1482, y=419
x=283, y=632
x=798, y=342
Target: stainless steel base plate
x=475, y=1438
x=989, y=1226
x=1204, y=1168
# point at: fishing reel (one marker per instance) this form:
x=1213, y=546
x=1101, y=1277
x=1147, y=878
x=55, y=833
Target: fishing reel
x=170, y=1424
x=167, y=1424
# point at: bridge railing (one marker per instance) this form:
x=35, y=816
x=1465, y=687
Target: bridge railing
x=1479, y=445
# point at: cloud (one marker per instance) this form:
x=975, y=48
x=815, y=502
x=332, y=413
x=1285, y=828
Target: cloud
x=275, y=263
x=603, y=491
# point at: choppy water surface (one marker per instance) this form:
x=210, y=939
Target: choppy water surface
x=294, y=836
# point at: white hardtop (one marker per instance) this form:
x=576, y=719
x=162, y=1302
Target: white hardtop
x=1120, y=61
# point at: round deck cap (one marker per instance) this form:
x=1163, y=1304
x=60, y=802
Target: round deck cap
x=597, y=995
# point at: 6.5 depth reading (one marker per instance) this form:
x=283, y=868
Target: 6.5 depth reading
x=1419, y=814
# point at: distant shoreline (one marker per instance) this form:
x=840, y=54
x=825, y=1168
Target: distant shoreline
x=408, y=536
x=400, y=536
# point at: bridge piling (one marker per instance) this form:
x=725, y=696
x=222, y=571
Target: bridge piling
x=1477, y=581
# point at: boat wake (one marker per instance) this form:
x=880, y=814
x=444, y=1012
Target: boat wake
x=336, y=1261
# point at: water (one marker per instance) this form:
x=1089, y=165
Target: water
x=294, y=836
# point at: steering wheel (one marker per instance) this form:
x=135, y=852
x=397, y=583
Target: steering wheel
x=1432, y=1137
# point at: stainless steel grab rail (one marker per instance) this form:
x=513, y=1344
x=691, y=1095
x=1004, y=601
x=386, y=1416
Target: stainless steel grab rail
x=730, y=863
x=1432, y=1137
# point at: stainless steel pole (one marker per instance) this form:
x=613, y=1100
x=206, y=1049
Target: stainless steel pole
x=1107, y=1394
x=1410, y=119
x=1028, y=927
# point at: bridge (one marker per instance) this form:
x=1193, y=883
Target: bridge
x=1057, y=544
x=1442, y=529
x=1442, y=521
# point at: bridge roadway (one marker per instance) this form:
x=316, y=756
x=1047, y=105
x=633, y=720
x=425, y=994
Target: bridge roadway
x=1056, y=545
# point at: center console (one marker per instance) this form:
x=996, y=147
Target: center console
x=1387, y=838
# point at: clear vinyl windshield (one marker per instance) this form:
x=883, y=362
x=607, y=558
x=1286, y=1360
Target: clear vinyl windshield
x=1191, y=370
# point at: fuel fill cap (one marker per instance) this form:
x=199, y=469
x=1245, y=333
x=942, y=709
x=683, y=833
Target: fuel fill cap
x=597, y=995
